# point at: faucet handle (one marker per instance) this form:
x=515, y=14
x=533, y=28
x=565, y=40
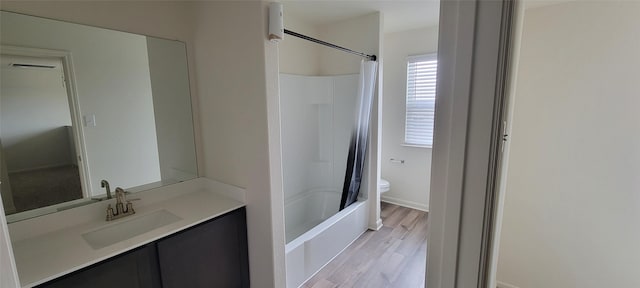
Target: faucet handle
x=109, y=213
x=130, y=208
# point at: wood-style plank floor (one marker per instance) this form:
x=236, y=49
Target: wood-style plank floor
x=394, y=256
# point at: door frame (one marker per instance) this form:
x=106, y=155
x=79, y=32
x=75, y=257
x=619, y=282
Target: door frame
x=74, y=104
x=498, y=210
x=473, y=53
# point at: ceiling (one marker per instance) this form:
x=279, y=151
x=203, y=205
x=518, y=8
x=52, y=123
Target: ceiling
x=398, y=15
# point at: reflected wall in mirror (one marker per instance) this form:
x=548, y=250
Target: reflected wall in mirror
x=80, y=104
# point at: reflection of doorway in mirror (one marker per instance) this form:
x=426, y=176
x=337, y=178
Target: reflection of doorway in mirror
x=38, y=152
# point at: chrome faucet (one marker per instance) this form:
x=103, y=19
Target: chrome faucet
x=121, y=210
x=105, y=184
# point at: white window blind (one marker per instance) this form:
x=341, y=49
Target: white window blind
x=421, y=100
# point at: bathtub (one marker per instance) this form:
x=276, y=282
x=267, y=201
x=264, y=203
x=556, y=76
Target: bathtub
x=316, y=233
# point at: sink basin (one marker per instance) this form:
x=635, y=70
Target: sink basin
x=129, y=228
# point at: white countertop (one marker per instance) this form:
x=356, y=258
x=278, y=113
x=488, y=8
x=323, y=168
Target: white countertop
x=56, y=252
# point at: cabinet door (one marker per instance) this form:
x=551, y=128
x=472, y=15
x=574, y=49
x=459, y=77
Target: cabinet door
x=135, y=269
x=212, y=254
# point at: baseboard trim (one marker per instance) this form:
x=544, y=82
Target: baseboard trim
x=501, y=284
x=378, y=225
x=404, y=203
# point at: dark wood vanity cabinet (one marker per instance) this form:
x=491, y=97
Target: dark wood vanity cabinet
x=133, y=269
x=211, y=254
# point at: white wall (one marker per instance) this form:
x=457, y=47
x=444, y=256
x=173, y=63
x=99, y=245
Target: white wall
x=572, y=203
x=409, y=181
x=299, y=56
x=302, y=57
x=122, y=148
x=232, y=53
x=34, y=115
x=360, y=34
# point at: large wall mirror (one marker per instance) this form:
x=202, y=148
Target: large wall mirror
x=79, y=105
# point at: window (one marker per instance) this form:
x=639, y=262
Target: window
x=421, y=100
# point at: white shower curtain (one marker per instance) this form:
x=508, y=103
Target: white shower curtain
x=360, y=133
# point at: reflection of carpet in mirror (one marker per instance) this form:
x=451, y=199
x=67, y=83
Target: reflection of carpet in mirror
x=45, y=187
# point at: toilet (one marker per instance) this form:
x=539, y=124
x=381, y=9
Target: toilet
x=384, y=185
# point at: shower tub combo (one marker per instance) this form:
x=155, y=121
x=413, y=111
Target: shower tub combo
x=323, y=232
x=318, y=113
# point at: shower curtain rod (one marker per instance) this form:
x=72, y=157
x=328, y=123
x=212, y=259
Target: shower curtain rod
x=305, y=37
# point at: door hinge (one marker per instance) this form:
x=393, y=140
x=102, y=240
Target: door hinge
x=505, y=136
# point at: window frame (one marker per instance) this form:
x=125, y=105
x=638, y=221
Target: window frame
x=433, y=56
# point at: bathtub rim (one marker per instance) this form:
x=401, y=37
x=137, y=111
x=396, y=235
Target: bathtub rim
x=306, y=236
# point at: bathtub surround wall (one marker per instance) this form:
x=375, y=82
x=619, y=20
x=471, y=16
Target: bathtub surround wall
x=225, y=40
x=334, y=62
x=317, y=118
x=572, y=203
x=360, y=134
x=410, y=180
